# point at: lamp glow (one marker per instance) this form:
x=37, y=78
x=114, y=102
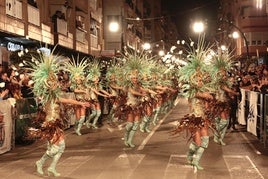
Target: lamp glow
x=113, y=26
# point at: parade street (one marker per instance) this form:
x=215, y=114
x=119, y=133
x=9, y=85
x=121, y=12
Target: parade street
x=101, y=154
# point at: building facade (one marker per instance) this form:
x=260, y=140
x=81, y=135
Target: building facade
x=73, y=26
x=139, y=21
x=249, y=18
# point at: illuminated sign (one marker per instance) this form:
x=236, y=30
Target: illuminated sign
x=45, y=50
x=14, y=47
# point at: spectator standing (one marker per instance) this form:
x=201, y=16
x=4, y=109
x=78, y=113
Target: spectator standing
x=234, y=101
x=26, y=87
x=4, y=83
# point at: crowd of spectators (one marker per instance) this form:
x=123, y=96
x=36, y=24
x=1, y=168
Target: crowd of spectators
x=255, y=78
x=14, y=84
x=17, y=84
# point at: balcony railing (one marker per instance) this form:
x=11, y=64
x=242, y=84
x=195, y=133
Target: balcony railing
x=33, y=15
x=93, y=41
x=80, y=35
x=246, y=3
x=14, y=8
x=254, y=22
x=61, y=26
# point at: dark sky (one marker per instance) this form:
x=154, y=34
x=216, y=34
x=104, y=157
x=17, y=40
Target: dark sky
x=185, y=12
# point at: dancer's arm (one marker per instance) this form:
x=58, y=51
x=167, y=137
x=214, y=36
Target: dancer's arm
x=74, y=102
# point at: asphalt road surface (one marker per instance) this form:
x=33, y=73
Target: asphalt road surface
x=101, y=154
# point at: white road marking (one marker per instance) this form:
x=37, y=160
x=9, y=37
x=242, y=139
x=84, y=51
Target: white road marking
x=250, y=144
x=177, y=167
x=240, y=166
x=123, y=166
x=71, y=164
x=144, y=142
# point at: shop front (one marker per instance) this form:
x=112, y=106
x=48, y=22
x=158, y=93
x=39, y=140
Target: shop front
x=13, y=44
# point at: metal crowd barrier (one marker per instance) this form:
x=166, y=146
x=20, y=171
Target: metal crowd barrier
x=6, y=126
x=256, y=114
x=26, y=111
x=265, y=119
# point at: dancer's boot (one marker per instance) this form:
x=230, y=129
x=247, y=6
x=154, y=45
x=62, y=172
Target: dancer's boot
x=222, y=130
x=129, y=126
x=192, y=149
x=91, y=116
x=39, y=164
x=52, y=167
x=142, y=124
x=94, y=124
x=196, y=159
x=132, y=133
x=79, y=126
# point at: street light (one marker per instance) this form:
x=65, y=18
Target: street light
x=198, y=27
x=146, y=46
x=236, y=34
x=161, y=53
x=114, y=26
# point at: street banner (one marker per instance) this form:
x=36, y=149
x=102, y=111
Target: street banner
x=241, y=108
x=253, y=112
x=25, y=113
x=6, y=126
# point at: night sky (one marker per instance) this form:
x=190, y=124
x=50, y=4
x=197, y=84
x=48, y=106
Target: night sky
x=185, y=12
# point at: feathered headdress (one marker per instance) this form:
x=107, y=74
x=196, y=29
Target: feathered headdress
x=44, y=70
x=76, y=68
x=114, y=71
x=136, y=65
x=93, y=71
x=221, y=63
x=196, y=69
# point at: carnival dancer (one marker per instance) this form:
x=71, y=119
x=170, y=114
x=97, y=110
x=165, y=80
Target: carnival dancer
x=95, y=90
x=134, y=95
x=148, y=106
x=46, y=87
x=196, y=81
x=148, y=99
x=117, y=91
x=160, y=89
x=77, y=68
x=157, y=107
x=221, y=65
x=133, y=69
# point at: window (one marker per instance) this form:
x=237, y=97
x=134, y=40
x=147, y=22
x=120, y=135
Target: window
x=80, y=22
x=93, y=27
x=93, y=4
x=32, y=3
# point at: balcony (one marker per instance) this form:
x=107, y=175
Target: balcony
x=93, y=41
x=61, y=26
x=81, y=42
x=246, y=3
x=254, y=22
x=33, y=15
x=66, y=41
x=10, y=18
x=14, y=9
x=80, y=35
